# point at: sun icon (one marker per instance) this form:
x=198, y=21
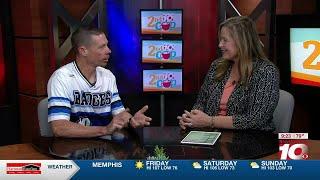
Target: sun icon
x=139, y=164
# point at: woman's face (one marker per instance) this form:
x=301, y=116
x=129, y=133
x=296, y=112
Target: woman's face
x=227, y=45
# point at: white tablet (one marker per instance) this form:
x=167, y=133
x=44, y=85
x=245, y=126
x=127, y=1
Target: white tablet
x=201, y=137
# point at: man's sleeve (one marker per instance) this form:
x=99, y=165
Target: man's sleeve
x=59, y=104
x=116, y=103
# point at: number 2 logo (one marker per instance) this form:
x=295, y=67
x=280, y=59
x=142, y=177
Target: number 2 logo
x=151, y=21
x=153, y=79
x=307, y=64
x=152, y=50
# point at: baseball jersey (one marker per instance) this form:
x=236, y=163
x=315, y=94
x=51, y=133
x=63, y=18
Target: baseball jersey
x=72, y=97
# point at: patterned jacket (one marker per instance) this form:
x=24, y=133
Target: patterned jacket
x=251, y=106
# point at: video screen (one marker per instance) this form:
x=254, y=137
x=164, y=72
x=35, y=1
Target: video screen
x=162, y=51
x=161, y=21
x=305, y=56
x=162, y=80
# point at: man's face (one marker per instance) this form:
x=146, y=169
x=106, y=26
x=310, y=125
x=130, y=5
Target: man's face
x=227, y=45
x=98, y=50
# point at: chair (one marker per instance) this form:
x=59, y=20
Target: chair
x=45, y=128
x=283, y=113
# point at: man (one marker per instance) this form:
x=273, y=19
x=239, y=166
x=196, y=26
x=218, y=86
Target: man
x=83, y=96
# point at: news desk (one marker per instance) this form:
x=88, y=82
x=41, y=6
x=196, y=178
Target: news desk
x=140, y=144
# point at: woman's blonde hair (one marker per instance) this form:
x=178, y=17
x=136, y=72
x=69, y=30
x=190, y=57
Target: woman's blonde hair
x=244, y=33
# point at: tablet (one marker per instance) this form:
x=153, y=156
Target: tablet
x=201, y=137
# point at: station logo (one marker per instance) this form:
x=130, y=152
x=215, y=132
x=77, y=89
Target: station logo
x=293, y=146
x=23, y=168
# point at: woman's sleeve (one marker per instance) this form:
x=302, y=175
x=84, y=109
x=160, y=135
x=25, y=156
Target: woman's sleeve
x=264, y=96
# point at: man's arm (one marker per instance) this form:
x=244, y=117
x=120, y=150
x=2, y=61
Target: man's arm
x=65, y=128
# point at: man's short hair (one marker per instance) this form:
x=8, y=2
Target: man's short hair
x=82, y=37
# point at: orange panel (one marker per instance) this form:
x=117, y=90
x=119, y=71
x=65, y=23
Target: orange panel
x=246, y=7
x=29, y=117
x=76, y=10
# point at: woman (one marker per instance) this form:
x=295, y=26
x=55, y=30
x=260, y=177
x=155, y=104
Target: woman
x=241, y=89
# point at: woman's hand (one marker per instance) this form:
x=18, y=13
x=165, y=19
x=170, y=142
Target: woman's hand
x=195, y=118
x=184, y=121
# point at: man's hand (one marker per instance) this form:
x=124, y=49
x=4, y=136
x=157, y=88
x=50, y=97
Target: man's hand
x=125, y=115
x=139, y=119
x=119, y=121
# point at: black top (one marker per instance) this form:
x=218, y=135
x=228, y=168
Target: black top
x=251, y=106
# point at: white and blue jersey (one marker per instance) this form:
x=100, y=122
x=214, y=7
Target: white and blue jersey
x=72, y=97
